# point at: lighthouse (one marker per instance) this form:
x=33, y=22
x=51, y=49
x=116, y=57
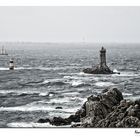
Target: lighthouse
x=11, y=64
x=103, y=57
x=102, y=67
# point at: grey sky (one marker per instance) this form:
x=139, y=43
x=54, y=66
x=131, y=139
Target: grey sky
x=70, y=24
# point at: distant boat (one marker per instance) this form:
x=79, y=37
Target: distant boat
x=3, y=51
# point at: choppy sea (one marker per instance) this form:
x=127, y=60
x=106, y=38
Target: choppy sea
x=51, y=76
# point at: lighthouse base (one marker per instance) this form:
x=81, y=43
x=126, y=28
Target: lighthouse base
x=99, y=70
x=11, y=68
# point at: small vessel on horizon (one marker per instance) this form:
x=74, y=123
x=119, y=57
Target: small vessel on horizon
x=3, y=51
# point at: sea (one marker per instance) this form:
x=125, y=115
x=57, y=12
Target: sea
x=48, y=75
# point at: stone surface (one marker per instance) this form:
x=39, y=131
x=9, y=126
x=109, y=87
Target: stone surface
x=108, y=110
x=98, y=70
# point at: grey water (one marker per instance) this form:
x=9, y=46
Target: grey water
x=49, y=76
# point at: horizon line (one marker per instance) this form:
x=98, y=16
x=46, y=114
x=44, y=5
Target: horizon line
x=75, y=42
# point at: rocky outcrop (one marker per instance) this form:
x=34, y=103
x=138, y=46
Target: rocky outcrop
x=65, y=121
x=102, y=68
x=98, y=107
x=126, y=114
x=106, y=110
x=98, y=70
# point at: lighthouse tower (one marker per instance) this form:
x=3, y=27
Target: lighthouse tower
x=103, y=57
x=11, y=64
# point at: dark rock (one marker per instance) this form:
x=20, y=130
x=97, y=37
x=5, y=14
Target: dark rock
x=43, y=120
x=137, y=106
x=74, y=118
x=137, y=102
x=98, y=70
x=93, y=98
x=58, y=107
x=105, y=90
x=76, y=125
x=122, y=103
x=129, y=122
x=59, y=121
x=66, y=121
x=98, y=108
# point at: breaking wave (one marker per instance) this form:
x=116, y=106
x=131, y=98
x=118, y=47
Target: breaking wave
x=115, y=70
x=77, y=83
x=71, y=93
x=46, y=106
x=2, y=69
x=104, y=84
x=39, y=68
x=31, y=124
x=54, y=82
x=66, y=100
x=44, y=94
x=127, y=94
x=126, y=74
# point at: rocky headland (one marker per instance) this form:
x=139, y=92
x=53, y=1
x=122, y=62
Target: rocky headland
x=107, y=110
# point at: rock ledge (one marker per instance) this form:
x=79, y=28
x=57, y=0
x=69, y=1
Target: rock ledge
x=106, y=110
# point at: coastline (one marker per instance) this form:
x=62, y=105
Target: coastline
x=108, y=110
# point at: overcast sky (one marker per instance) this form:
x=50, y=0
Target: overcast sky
x=70, y=24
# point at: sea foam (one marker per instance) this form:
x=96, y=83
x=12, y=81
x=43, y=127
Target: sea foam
x=104, y=84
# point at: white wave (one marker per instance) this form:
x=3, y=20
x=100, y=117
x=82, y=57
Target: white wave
x=29, y=124
x=76, y=83
x=84, y=74
x=17, y=68
x=75, y=77
x=126, y=74
x=71, y=93
x=32, y=124
x=44, y=93
x=115, y=70
x=71, y=77
x=127, y=94
x=45, y=82
x=28, y=68
x=26, y=92
x=74, y=64
x=40, y=68
x=4, y=69
x=27, y=108
x=60, y=114
x=6, y=91
x=50, y=95
x=57, y=68
x=71, y=110
x=104, y=84
x=81, y=73
x=60, y=100
x=23, y=68
x=68, y=77
x=51, y=81
x=133, y=98
x=38, y=107
x=67, y=100
x=18, y=92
